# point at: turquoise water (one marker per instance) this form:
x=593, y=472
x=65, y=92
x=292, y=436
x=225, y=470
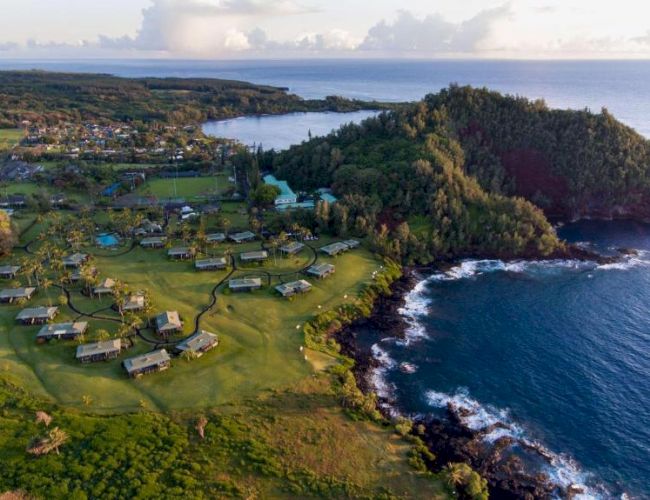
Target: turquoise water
x=107, y=240
x=559, y=351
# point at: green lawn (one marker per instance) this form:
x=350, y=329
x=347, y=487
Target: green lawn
x=9, y=137
x=186, y=187
x=260, y=335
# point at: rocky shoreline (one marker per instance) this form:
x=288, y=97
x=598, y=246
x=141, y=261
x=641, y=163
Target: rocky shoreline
x=507, y=472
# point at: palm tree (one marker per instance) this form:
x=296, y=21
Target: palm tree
x=52, y=442
x=454, y=475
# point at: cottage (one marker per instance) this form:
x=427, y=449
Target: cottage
x=292, y=248
x=351, y=244
x=99, y=351
x=242, y=237
x=216, y=238
x=198, y=343
x=167, y=323
x=10, y=295
x=134, y=302
x=211, y=264
x=155, y=361
x=335, y=248
x=68, y=331
x=8, y=272
x=76, y=274
x=181, y=253
x=75, y=260
x=37, y=315
x=286, y=196
x=293, y=288
x=105, y=287
x=245, y=284
x=321, y=271
x=257, y=256
x=153, y=242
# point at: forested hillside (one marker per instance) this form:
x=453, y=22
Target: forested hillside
x=449, y=175
x=49, y=98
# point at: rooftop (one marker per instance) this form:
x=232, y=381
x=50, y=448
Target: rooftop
x=146, y=360
x=198, y=342
x=16, y=293
x=169, y=320
x=286, y=193
x=63, y=329
x=257, y=255
x=37, y=312
x=96, y=348
x=245, y=282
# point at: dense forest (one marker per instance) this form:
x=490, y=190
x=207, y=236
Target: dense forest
x=466, y=171
x=50, y=98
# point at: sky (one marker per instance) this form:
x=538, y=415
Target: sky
x=240, y=29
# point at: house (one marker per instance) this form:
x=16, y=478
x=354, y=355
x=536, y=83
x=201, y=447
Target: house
x=335, y=248
x=154, y=361
x=37, y=315
x=321, y=270
x=105, y=287
x=75, y=260
x=153, y=242
x=351, y=244
x=181, y=253
x=293, y=288
x=10, y=295
x=216, y=238
x=67, y=331
x=13, y=200
x=245, y=284
x=257, y=256
x=292, y=248
x=135, y=302
x=167, y=323
x=242, y=237
x=198, y=343
x=211, y=264
x=325, y=194
x=286, y=196
x=8, y=272
x=99, y=351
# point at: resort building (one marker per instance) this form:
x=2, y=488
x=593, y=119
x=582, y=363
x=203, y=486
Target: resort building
x=286, y=196
x=167, y=323
x=216, y=238
x=155, y=361
x=292, y=248
x=245, y=284
x=257, y=256
x=153, y=242
x=75, y=260
x=325, y=194
x=67, y=331
x=105, y=287
x=293, y=288
x=135, y=302
x=99, y=351
x=37, y=315
x=181, y=253
x=352, y=244
x=8, y=272
x=321, y=271
x=211, y=264
x=335, y=248
x=10, y=295
x=198, y=343
x=242, y=237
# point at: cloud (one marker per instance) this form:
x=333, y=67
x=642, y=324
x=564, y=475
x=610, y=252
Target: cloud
x=643, y=39
x=433, y=34
x=198, y=25
x=6, y=46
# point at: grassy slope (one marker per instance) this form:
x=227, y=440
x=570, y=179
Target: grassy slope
x=9, y=137
x=259, y=346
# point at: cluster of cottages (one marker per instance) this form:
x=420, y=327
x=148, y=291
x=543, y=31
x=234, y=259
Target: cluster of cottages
x=166, y=323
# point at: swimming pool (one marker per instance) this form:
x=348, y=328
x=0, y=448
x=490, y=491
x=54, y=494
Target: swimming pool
x=107, y=240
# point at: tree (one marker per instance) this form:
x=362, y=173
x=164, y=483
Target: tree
x=7, y=237
x=265, y=195
x=48, y=443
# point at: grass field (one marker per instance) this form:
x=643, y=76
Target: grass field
x=9, y=137
x=260, y=334
x=189, y=187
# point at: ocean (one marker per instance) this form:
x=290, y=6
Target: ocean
x=559, y=351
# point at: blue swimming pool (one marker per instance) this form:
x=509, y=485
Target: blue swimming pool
x=107, y=240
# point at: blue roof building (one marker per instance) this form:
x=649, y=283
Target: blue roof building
x=287, y=196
